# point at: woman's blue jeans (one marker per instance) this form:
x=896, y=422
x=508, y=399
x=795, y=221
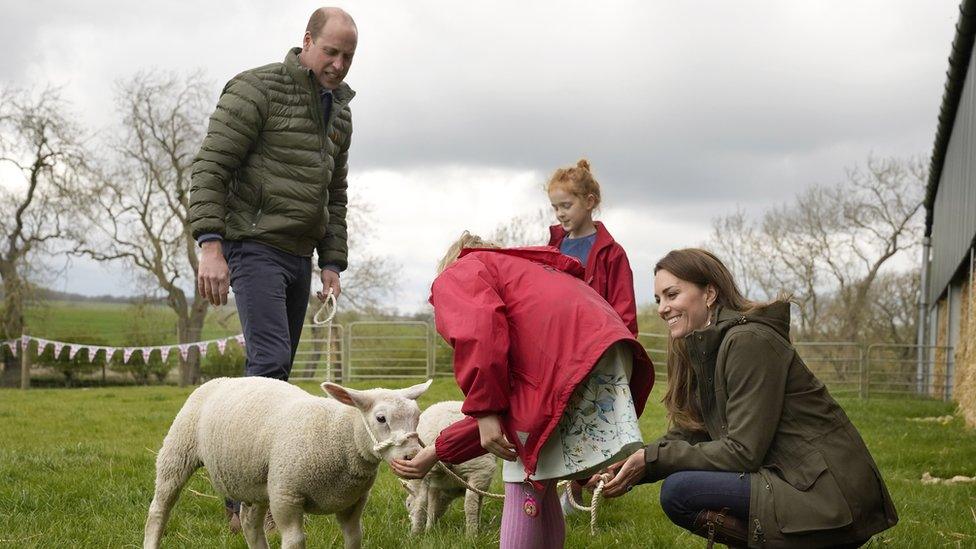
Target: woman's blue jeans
x=686, y=493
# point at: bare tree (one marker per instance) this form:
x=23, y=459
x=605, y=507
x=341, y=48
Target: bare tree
x=139, y=214
x=529, y=229
x=830, y=245
x=41, y=161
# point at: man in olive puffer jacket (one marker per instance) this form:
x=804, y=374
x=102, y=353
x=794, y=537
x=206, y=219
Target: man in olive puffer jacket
x=269, y=188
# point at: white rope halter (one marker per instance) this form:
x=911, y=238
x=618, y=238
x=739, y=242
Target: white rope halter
x=396, y=439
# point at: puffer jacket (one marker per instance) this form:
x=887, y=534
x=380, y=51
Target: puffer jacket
x=271, y=169
x=813, y=482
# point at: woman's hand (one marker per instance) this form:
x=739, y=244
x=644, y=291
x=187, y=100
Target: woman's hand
x=493, y=439
x=595, y=479
x=418, y=467
x=629, y=474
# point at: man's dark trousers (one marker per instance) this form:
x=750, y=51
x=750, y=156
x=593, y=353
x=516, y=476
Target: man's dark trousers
x=271, y=288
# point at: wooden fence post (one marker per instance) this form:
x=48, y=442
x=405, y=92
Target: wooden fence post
x=24, y=362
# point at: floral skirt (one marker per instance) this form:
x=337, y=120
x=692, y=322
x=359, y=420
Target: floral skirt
x=598, y=428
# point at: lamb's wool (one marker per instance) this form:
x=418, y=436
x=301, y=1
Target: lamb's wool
x=428, y=498
x=268, y=443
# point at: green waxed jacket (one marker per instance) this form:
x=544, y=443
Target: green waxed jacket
x=270, y=169
x=814, y=483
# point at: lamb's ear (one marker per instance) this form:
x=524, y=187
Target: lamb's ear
x=415, y=391
x=349, y=397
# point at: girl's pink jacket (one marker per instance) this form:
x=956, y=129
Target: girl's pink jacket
x=608, y=272
x=526, y=330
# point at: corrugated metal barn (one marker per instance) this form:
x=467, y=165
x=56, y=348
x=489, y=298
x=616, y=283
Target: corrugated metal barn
x=947, y=304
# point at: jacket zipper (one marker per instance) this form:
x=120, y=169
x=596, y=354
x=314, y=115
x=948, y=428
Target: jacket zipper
x=254, y=223
x=323, y=135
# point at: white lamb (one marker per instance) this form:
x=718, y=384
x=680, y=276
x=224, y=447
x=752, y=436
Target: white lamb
x=268, y=443
x=429, y=497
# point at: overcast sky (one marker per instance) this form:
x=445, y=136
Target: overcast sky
x=686, y=110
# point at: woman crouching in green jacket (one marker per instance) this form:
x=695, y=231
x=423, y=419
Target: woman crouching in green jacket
x=758, y=454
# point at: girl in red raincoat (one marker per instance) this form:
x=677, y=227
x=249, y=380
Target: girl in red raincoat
x=553, y=380
x=574, y=194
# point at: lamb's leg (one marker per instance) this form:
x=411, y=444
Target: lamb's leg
x=176, y=461
x=252, y=524
x=351, y=523
x=472, y=512
x=418, y=511
x=437, y=503
x=289, y=521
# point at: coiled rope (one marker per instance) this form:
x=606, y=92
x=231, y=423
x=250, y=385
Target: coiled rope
x=594, y=502
x=592, y=508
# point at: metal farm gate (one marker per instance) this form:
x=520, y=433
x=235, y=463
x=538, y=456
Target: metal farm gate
x=413, y=350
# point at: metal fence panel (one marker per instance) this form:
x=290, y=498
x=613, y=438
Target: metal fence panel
x=371, y=350
x=388, y=350
x=320, y=353
x=838, y=364
x=909, y=370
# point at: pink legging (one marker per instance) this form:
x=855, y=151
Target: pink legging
x=519, y=530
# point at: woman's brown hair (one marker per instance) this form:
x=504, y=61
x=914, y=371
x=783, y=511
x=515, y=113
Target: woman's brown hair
x=702, y=268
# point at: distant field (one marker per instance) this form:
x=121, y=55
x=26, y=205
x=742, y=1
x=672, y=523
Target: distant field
x=76, y=470
x=78, y=321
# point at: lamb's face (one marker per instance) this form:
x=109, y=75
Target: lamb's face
x=392, y=415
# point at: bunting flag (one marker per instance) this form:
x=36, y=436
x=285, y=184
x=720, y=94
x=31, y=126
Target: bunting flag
x=18, y=345
x=41, y=344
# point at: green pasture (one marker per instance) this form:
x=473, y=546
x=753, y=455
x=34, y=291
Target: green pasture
x=105, y=323
x=76, y=470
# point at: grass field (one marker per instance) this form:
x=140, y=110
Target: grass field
x=76, y=470
x=113, y=323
